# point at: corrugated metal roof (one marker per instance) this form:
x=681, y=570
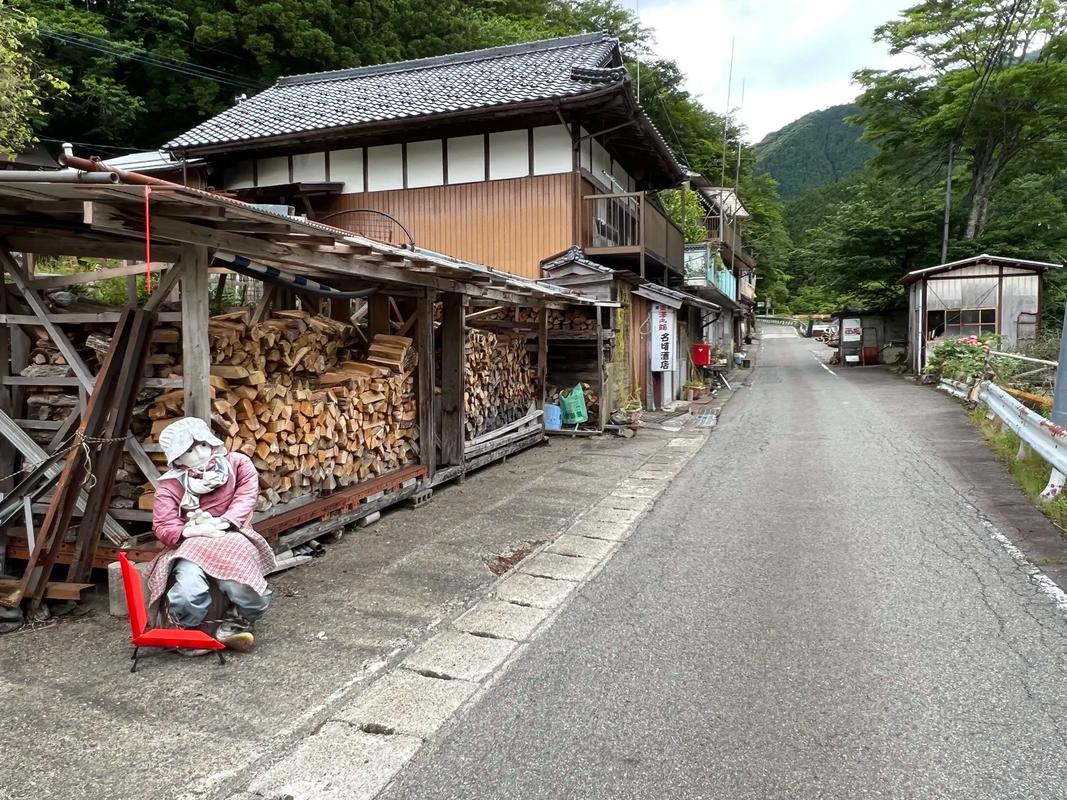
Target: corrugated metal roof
x=554, y=68
x=984, y=258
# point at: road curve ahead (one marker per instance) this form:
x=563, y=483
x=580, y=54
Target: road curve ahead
x=814, y=609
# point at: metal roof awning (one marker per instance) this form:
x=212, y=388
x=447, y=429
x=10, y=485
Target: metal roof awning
x=997, y=261
x=672, y=297
x=108, y=221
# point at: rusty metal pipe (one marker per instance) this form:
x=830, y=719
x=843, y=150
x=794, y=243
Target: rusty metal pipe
x=56, y=176
x=68, y=159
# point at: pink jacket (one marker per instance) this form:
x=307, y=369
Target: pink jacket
x=235, y=501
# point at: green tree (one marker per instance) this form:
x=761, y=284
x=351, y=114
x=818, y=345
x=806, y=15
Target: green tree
x=23, y=83
x=982, y=88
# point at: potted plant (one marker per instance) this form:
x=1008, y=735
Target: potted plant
x=696, y=388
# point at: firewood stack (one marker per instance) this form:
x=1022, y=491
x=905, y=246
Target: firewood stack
x=309, y=423
x=574, y=319
x=592, y=399
x=499, y=381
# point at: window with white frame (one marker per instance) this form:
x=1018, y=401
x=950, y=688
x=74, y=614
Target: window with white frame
x=953, y=323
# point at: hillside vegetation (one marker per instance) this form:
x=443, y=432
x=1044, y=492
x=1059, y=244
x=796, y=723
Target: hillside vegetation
x=816, y=150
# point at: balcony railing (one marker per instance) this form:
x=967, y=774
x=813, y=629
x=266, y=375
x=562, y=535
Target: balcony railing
x=731, y=237
x=627, y=223
x=703, y=267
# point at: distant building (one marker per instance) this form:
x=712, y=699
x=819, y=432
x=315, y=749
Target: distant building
x=982, y=294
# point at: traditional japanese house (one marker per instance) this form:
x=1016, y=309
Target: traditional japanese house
x=500, y=157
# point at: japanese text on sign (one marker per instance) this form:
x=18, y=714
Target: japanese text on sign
x=661, y=344
x=851, y=330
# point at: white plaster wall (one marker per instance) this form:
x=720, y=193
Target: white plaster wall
x=509, y=154
x=309, y=167
x=272, y=171
x=385, y=167
x=346, y=166
x=601, y=164
x=239, y=176
x=466, y=159
x=426, y=163
x=552, y=150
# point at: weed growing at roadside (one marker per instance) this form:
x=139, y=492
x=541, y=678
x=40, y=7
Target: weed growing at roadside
x=1031, y=473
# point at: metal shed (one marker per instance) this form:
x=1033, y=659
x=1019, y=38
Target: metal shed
x=981, y=294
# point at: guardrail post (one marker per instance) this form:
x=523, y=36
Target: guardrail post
x=1059, y=413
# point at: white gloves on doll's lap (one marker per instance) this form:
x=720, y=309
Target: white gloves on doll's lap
x=201, y=523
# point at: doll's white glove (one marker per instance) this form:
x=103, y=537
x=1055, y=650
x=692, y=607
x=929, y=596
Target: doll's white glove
x=201, y=523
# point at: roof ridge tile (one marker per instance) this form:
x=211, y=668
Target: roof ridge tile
x=449, y=59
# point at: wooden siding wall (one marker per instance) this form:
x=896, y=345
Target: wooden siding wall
x=510, y=225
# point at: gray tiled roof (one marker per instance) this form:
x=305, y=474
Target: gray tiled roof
x=554, y=68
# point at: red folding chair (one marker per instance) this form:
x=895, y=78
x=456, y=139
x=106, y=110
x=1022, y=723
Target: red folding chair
x=157, y=637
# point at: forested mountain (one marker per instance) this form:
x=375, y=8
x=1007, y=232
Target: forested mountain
x=818, y=149
x=992, y=95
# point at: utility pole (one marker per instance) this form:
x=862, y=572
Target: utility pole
x=948, y=205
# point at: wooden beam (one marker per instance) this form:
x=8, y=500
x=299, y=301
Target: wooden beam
x=453, y=335
x=542, y=356
x=30, y=295
x=309, y=260
x=263, y=306
x=196, y=349
x=102, y=318
x=71, y=243
x=60, y=281
x=426, y=393
x=163, y=291
x=74, y=360
x=33, y=453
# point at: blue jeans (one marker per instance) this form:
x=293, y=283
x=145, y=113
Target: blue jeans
x=190, y=597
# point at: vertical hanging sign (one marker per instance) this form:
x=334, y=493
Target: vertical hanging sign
x=661, y=346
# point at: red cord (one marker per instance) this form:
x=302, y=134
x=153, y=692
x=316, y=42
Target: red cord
x=147, y=242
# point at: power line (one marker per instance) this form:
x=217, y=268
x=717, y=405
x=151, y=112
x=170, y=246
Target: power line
x=132, y=53
x=190, y=72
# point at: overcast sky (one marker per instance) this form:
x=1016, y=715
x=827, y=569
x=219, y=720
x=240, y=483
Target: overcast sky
x=796, y=56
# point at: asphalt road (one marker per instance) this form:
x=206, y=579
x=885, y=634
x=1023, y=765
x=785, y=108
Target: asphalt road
x=816, y=608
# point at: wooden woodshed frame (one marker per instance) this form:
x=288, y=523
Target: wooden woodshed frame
x=192, y=234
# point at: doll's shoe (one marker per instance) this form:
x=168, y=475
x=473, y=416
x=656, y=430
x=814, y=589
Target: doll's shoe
x=235, y=636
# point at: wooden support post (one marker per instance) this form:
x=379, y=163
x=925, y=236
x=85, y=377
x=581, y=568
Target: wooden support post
x=453, y=336
x=378, y=314
x=220, y=289
x=7, y=451
x=602, y=417
x=132, y=300
x=542, y=356
x=427, y=434
x=196, y=350
x=341, y=310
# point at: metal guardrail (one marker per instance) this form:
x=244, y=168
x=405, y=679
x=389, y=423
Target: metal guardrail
x=1044, y=437
x=784, y=321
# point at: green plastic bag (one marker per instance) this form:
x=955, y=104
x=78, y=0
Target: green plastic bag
x=573, y=404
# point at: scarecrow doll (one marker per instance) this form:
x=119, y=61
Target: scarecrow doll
x=211, y=574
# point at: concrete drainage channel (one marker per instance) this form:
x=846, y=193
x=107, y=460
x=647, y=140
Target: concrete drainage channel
x=365, y=743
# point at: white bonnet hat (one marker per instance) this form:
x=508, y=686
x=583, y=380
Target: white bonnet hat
x=180, y=435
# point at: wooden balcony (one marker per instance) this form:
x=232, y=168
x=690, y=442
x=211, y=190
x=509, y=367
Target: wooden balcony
x=630, y=230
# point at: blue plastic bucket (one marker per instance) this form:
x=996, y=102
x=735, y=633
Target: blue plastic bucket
x=553, y=417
